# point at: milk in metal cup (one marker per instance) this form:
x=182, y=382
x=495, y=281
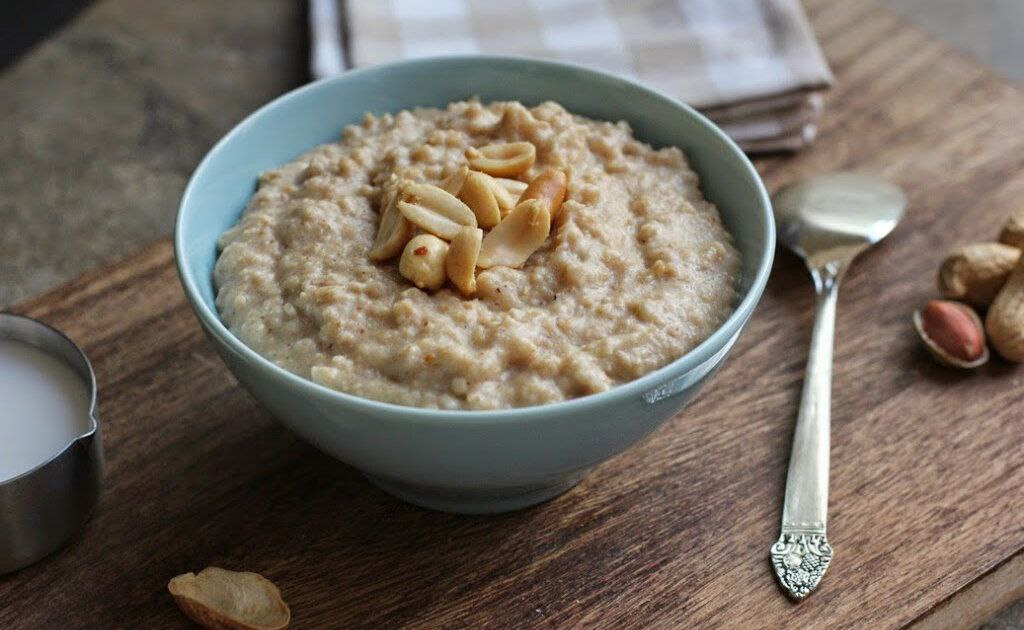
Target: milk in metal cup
x=44, y=406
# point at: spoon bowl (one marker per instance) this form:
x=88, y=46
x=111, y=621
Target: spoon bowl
x=836, y=216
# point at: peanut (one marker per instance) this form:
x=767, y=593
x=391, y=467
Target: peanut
x=975, y=273
x=394, y=230
x=478, y=193
x=453, y=183
x=504, y=193
x=461, y=260
x=422, y=261
x=1013, y=230
x=953, y=333
x=549, y=186
x=520, y=234
x=503, y=160
x=514, y=187
x=434, y=210
x=1005, y=320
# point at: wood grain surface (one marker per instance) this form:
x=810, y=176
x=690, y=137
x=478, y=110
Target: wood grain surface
x=927, y=495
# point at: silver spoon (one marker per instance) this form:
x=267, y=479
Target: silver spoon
x=827, y=221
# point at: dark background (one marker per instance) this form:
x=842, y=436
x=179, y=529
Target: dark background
x=25, y=22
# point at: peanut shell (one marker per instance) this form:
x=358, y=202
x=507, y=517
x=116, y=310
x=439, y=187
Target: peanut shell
x=1013, y=230
x=1004, y=322
x=220, y=599
x=975, y=273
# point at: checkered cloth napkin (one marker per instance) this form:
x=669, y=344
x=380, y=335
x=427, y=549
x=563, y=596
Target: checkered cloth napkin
x=752, y=66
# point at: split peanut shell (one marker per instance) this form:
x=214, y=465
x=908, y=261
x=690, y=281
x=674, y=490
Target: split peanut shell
x=230, y=600
x=952, y=333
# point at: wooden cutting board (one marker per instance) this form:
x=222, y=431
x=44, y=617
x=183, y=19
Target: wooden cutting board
x=927, y=504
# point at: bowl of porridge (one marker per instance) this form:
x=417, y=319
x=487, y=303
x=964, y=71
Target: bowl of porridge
x=474, y=278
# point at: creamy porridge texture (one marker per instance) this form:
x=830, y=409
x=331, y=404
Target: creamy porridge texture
x=637, y=269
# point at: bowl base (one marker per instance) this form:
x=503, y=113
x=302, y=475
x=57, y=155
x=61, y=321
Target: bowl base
x=470, y=501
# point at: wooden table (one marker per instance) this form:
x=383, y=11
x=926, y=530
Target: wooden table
x=927, y=505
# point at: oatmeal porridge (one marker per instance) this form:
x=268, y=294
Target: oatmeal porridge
x=481, y=256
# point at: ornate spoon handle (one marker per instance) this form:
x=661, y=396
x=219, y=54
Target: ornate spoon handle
x=802, y=553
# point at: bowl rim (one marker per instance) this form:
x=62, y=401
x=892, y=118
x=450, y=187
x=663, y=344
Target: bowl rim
x=698, y=355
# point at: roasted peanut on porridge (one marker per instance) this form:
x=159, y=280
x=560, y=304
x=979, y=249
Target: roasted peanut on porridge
x=477, y=257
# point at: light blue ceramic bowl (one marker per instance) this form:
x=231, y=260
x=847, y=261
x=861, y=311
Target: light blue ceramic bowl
x=466, y=461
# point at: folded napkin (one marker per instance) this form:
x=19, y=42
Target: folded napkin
x=753, y=66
